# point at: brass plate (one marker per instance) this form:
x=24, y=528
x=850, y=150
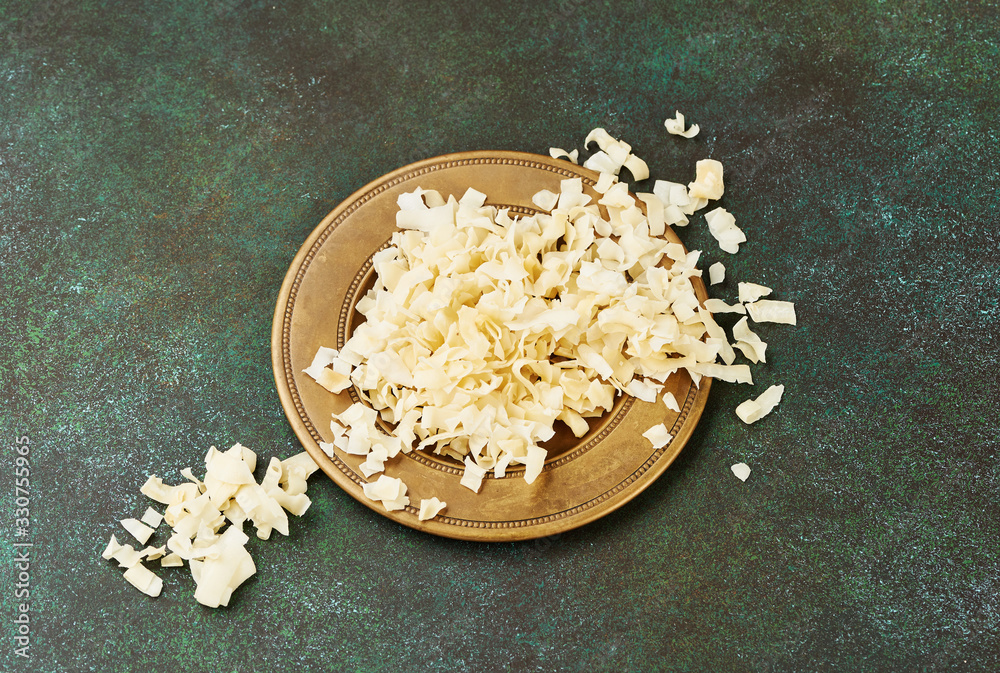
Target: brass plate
x=583, y=479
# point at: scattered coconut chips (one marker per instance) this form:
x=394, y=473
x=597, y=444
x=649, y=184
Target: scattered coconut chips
x=198, y=511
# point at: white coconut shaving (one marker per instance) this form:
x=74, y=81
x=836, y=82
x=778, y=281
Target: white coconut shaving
x=558, y=153
x=658, y=436
x=675, y=126
x=741, y=470
x=722, y=226
x=767, y=310
x=717, y=273
x=430, y=508
x=753, y=410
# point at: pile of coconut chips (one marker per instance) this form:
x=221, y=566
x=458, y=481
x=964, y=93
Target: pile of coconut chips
x=482, y=329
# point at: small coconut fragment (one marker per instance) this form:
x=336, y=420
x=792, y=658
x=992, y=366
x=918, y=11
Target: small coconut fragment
x=605, y=182
x=267, y=515
x=390, y=491
x=559, y=153
x=767, y=310
x=111, y=549
x=152, y=553
x=719, y=306
x=189, y=475
x=138, y=529
x=545, y=199
x=145, y=580
x=171, y=561
x=430, y=508
x=221, y=573
x=533, y=463
x=643, y=390
x=675, y=126
x=671, y=402
x=722, y=226
x=708, y=183
x=299, y=462
x=614, y=155
x=730, y=373
x=750, y=292
x=637, y=167
x=333, y=381
x=753, y=410
x=602, y=163
x=155, y=489
x=375, y=462
x=126, y=556
x=741, y=470
x=324, y=356
x=716, y=273
x=748, y=342
x=229, y=468
x=472, y=477
x=151, y=518
x=658, y=435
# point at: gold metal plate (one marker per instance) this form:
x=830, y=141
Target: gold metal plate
x=583, y=479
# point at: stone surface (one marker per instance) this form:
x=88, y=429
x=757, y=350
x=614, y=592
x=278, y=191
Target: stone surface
x=160, y=164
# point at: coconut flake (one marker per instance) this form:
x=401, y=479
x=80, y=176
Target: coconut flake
x=558, y=153
x=708, y=183
x=722, y=226
x=472, y=477
x=719, y=306
x=171, y=561
x=767, y=310
x=152, y=553
x=741, y=470
x=671, y=402
x=390, y=491
x=138, y=529
x=716, y=273
x=430, y=508
x=658, y=435
x=111, y=549
x=750, y=292
x=545, y=199
x=675, y=126
x=144, y=580
x=151, y=518
x=748, y=342
x=753, y=410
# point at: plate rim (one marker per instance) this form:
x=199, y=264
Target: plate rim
x=532, y=527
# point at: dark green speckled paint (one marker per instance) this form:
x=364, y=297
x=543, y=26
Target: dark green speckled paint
x=161, y=162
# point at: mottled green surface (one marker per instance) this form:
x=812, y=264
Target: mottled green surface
x=160, y=164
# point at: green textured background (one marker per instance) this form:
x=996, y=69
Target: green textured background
x=161, y=163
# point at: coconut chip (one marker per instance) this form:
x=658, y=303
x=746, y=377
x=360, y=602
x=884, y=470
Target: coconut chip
x=741, y=470
x=430, y=508
x=716, y=273
x=753, y=410
x=722, y=226
x=767, y=310
x=750, y=292
x=675, y=126
x=658, y=435
x=558, y=153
